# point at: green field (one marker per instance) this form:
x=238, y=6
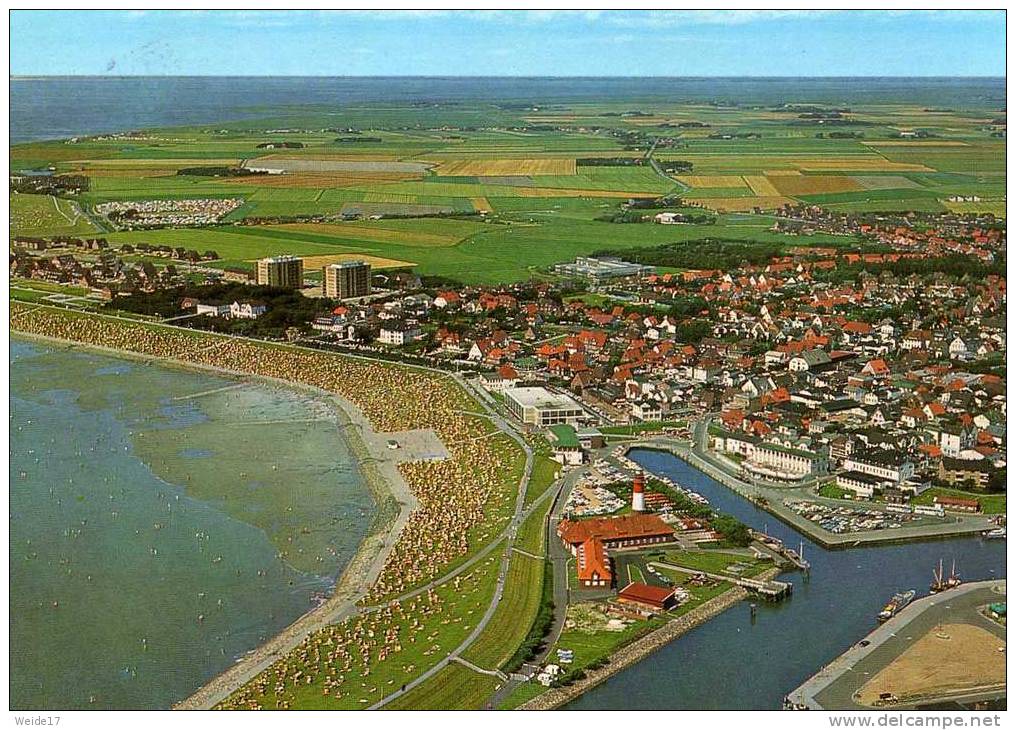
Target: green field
x=45, y=215
x=991, y=504
x=458, y=154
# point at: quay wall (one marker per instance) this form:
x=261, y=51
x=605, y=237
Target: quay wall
x=643, y=647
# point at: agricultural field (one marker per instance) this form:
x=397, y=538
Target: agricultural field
x=488, y=193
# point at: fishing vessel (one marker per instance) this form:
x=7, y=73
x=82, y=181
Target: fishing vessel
x=940, y=583
x=896, y=604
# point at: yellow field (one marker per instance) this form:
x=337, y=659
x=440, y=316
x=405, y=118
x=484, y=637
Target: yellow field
x=782, y=173
x=743, y=204
x=481, y=204
x=761, y=186
x=814, y=184
x=496, y=168
x=372, y=233
x=377, y=262
x=712, y=181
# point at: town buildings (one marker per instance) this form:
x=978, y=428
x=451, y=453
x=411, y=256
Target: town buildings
x=280, y=271
x=347, y=280
x=540, y=407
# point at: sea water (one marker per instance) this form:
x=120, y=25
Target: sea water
x=163, y=522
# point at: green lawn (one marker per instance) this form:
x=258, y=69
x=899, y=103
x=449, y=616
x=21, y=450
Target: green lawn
x=456, y=687
x=714, y=561
x=532, y=532
x=991, y=504
x=45, y=215
x=514, y=615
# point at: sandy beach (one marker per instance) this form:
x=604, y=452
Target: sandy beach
x=394, y=498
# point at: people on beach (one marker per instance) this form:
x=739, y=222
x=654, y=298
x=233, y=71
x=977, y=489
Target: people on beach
x=463, y=500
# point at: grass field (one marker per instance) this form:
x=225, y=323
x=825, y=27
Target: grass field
x=44, y=215
x=992, y=504
x=456, y=687
x=514, y=615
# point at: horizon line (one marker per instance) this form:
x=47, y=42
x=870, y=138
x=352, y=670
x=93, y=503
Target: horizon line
x=24, y=77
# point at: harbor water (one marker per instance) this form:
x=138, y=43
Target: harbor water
x=163, y=522
x=735, y=663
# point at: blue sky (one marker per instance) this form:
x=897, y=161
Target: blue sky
x=509, y=43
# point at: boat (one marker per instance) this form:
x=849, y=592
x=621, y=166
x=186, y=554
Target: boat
x=997, y=534
x=940, y=582
x=896, y=604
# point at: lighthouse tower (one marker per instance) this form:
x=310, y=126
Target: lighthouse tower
x=638, y=494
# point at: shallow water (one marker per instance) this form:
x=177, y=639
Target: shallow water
x=734, y=663
x=163, y=522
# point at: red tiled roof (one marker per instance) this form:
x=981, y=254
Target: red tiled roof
x=592, y=563
x=612, y=528
x=647, y=594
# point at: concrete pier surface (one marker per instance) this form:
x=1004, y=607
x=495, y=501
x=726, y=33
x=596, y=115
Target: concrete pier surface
x=838, y=685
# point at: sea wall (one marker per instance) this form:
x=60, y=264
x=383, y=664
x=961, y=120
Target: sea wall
x=643, y=647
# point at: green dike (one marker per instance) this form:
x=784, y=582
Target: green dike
x=456, y=687
x=532, y=531
x=544, y=471
x=514, y=615
x=426, y=630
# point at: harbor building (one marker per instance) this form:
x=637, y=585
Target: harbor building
x=772, y=461
x=280, y=271
x=626, y=531
x=347, y=280
x=540, y=407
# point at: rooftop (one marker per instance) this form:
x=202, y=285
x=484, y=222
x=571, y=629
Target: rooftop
x=536, y=397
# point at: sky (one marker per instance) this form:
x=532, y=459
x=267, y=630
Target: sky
x=508, y=43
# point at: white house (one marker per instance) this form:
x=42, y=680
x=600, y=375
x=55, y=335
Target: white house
x=246, y=310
